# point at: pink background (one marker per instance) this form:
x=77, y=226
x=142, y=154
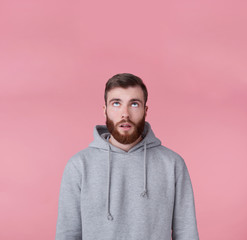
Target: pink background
x=55, y=58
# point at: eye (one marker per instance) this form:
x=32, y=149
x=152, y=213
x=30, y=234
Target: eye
x=116, y=104
x=135, y=104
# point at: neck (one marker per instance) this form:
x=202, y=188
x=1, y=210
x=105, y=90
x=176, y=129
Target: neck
x=125, y=147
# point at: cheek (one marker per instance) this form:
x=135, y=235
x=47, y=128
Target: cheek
x=113, y=113
x=137, y=113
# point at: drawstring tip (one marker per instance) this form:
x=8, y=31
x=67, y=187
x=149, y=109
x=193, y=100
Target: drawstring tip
x=144, y=194
x=109, y=217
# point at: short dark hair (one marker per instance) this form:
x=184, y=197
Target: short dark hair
x=125, y=80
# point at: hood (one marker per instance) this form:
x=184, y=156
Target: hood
x=101, y=141
x=101, y=136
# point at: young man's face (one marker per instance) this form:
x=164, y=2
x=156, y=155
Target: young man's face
x=125, y=113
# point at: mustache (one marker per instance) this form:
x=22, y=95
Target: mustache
x=126, y=121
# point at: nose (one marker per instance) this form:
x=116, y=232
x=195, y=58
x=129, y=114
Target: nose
x=125, y=112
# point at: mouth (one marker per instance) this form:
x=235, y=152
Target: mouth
x=125, y=126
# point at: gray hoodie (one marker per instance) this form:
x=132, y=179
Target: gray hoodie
x=109, y=194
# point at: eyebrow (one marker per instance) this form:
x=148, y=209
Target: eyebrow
x=136, y=100
x=131, y=100
x=115, y=100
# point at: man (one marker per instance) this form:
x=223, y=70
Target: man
x=126, y=185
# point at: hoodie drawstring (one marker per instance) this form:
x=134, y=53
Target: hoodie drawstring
x=143, y=194
x=109, y=216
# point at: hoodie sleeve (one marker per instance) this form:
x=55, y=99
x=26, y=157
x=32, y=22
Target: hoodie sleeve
x=184, y=224
x=69, y=214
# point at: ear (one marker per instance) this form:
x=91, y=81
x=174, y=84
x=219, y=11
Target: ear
x=146, y=109
x=104, y=110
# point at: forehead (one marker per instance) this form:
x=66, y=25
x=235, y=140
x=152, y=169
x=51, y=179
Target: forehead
x=126, y=94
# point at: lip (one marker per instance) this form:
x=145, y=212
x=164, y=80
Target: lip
x=125, y=128
x=125, y=123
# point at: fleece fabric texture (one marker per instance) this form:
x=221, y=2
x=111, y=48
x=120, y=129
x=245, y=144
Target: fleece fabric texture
x=109, y=194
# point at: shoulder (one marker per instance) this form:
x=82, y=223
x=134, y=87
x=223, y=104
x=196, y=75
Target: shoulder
x=76, y=160
x=79, y=158
x=173, y=157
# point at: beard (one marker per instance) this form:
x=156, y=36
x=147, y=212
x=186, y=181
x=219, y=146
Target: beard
x=125, y=138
